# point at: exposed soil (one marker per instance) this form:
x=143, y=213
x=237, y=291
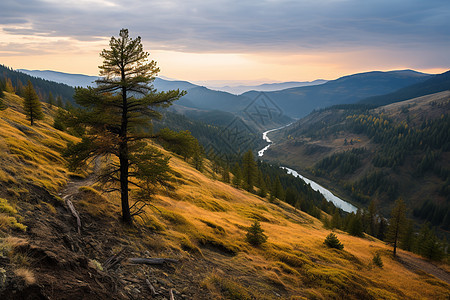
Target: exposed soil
x=63, y=261
x=418, y=264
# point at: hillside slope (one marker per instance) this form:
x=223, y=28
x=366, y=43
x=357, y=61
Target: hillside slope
x=435, y=84
x=299, y=102
x=201, y=224
x=398, y=150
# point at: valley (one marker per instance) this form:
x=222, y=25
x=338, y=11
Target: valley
x=211, y=150
x=314, y=142
x=199, y=223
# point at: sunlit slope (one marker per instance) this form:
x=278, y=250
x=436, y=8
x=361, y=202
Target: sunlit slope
x=30, y=155
x=294, y=262
x=202, y=223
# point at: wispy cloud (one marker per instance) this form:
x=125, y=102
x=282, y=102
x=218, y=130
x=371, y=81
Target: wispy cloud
x=416, y=28
x=238, y=25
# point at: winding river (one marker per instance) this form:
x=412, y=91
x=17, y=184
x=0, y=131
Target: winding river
x=315, y=186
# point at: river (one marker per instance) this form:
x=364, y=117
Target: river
x=314, y=185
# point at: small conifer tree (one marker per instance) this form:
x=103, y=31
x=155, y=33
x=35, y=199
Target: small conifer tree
x=377, y=260
x=255, y=234
x=396, y=224
x=59, y=101
x=51, y=99
x=32, y=105
x=333, y=242
x=2, y=104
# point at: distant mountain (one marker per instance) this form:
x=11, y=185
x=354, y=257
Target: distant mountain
x=299, y=102
x=86, y=80
x=69, y=79
x=294, y=102
x=42, y=85
x=435, y=84
x=266, y=87
x=199, y=98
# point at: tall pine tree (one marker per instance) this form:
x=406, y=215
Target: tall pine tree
x=117, y=110
x=2, y=94
x=249, y=171
x=32, y=105
x=397, y=224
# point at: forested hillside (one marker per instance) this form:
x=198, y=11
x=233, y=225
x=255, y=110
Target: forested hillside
x=16, y=82
x=435, y=84
x=204, y=238
x=400, y=150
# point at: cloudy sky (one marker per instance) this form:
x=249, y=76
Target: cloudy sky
x=197, y=40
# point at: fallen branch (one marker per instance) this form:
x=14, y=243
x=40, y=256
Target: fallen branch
x=150, y=286
x=74, y=212
x=171, y=294
x=113, y=260
x=151, y=261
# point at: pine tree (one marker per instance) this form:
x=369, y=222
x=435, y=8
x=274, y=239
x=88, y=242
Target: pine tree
x=255, y=234
x=237, y=178
x=396, y=223
x=32, y=105
x=51, y=99
x=9, y=86
x=372, y=214
x=381, y=229
x=428, y=244
x=59, y=101
x=355, y=226
x=2, y=104
x=277, y=189
x=332, y=241
x=226, y=174
x=249, y=171
x=116, y=111
x=407, y=240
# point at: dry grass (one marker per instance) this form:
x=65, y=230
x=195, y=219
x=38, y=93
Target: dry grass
x=26, y=274
x=207, y=219
x=294, y=259
x=31, y=155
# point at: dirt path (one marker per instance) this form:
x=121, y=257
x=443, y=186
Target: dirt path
x=75, y=183
x=415, y=263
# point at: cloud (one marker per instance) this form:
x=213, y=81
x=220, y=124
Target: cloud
x=236, y=26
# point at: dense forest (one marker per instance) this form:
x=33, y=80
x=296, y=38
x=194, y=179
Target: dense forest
x=15, y=81
x=420, y=144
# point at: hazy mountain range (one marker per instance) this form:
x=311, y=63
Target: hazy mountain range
x=294, y=102
x=265, y=87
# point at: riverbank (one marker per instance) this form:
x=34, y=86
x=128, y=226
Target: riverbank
x=329, y=196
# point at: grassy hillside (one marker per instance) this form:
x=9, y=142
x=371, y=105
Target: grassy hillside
x=202, y=224
x=404, y=145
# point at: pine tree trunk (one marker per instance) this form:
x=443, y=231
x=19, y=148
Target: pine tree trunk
x=123, y=158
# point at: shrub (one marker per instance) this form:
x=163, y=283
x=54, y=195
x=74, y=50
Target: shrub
x=377, y=260
x=255, y=234
x=333, y=242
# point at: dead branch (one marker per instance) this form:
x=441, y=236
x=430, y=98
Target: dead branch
x=113, y=260
x=73, y=211
x=171, y=295
x=151, y=261
x=150, y=286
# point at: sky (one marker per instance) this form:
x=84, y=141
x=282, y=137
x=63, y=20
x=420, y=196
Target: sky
x=219, y=41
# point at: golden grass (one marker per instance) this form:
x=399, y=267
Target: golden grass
x=26, y=274
x=293, y=259
x=207, y=219
x=31, y=154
